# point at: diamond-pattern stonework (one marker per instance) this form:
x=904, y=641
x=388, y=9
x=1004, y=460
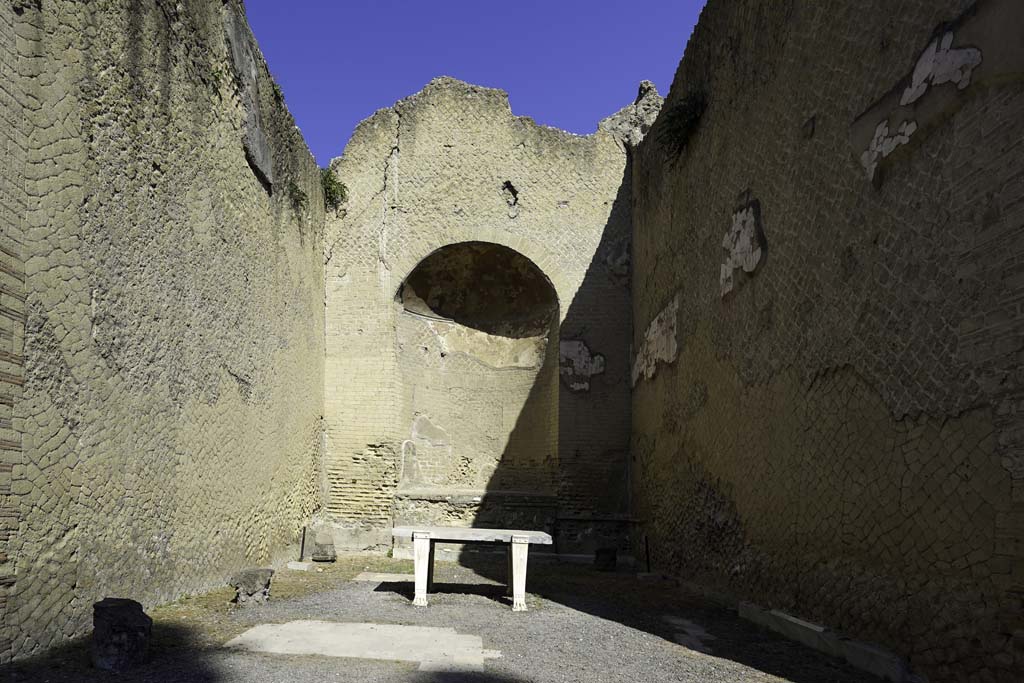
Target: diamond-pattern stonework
x=766, y=335
x=840, y=437
x=169, y=421
x=13, y=200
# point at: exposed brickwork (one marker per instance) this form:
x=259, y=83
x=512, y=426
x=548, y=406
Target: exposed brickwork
x=840, y=435
x=13, y=201
x=419, y=183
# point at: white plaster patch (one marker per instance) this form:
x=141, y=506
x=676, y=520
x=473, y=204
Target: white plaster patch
x=435, y=649
x=576, y=364
x=429, y=444
x=883, y=144
x=424, y=429
x=938, y=64
x=744, y=246
x=659, y=343
x=941, y=63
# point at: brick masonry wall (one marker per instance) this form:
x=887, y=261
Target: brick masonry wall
x=12, y=293
x=418, y=182
x=828, y=322
x=173, y=309
x=500, y=421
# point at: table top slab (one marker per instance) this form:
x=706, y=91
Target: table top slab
x=463, y=534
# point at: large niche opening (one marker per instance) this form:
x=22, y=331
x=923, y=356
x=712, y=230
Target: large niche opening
x=482, y=286
x=478, y=353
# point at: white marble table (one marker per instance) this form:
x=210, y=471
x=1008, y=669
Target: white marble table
x=517, y=541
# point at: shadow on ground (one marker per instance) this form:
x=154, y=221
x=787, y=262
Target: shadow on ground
x=656, y=606
x=175, y=654
x=183, y=652
x=492, y=591
x=179, y=656
x=462, y=677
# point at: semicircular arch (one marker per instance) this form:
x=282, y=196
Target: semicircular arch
x=405, y=263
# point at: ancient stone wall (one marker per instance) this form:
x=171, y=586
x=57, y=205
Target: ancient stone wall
x=171, y=238
x=447, y=166
x=828, y=276
x=13, y=128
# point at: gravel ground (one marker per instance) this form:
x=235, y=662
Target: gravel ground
x=582, y=626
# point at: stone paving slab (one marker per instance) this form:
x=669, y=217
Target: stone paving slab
x=433, y=648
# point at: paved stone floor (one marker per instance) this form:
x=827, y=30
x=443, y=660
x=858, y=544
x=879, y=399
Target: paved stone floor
x=582, y=626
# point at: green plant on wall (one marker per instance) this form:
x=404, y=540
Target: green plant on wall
x=216, y=77
x=335, y=192
x=297, y=197
x=681, y=122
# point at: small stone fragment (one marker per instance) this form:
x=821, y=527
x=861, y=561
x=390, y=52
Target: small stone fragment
x=120, y=636
x=323, y=547
x=252, y=585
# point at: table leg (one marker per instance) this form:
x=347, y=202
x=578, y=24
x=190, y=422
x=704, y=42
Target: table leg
x=508, y=574
x=430, y=568
x=520, y=553
x=421, y=547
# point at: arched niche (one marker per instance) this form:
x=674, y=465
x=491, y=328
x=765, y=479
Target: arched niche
x=477, y=348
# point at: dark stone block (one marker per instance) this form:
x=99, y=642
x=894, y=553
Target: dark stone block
x=121, y=633
x=323, y=552
x=258, y=151
x=323, y=547
x=259, y=154
x=605, y=559
x=252, y=585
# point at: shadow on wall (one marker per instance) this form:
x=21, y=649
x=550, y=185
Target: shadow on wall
x=476, y=356
x=588, y=508
x=519, y=420
x=564, y=466
x=585, y=506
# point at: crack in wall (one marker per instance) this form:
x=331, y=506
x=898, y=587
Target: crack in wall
x=334, y=243
x=390, y=169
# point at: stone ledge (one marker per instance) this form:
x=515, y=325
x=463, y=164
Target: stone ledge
x=469, y=497
x=864, y=656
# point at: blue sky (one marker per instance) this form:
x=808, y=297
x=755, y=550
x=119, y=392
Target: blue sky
x=566, y=63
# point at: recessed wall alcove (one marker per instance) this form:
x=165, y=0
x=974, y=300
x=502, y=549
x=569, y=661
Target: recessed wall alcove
x=478, y=359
